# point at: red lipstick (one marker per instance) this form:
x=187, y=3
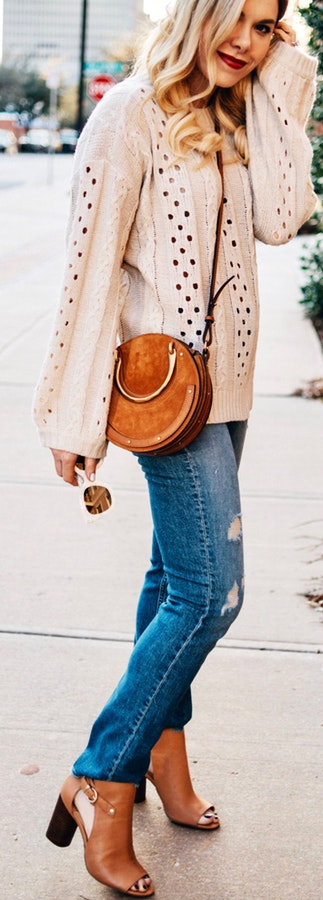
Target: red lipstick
x=231, y=61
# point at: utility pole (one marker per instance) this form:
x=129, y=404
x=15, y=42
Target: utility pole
x=80, y=121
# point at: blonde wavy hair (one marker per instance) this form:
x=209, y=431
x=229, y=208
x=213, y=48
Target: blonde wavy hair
x=169, y=56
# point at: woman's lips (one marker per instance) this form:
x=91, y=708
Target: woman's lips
x=231, y=61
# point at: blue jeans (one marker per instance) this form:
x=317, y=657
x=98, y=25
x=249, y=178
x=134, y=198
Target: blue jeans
x=192, y=593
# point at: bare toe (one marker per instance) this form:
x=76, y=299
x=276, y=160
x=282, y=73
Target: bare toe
x=210, y=818
x=142, y=885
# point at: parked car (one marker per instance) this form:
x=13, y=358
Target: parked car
x=12, y=122
x=69, y=137
x=39, y=140
x=8, y=141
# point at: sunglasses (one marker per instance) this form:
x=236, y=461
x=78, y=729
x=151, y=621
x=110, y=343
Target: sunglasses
x=95, y=498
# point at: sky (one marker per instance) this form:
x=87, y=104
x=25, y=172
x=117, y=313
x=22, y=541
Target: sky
x=155, y=8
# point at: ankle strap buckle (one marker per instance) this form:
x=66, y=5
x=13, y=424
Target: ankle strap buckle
x=94, y=797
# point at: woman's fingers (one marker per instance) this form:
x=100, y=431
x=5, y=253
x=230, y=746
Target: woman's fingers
x=90, y=467
x=65, y=465
x=285, y=33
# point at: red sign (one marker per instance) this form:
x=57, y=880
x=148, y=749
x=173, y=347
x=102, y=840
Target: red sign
x=99, y=85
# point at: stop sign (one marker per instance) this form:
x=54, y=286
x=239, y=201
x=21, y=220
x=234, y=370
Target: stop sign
x=99, y=85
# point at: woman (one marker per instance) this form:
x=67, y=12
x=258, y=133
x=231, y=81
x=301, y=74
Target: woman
x=146, y=192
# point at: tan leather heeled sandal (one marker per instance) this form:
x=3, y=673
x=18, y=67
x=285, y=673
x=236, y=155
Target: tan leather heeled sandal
x=170, y=776
x=108, y=848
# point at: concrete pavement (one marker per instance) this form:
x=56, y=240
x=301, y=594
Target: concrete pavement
x=69, y=593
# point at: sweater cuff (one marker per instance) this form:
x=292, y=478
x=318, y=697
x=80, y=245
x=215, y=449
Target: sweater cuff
x=94, y=449
x=291, y=59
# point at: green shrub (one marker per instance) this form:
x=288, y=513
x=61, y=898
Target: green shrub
x=313, y=14
x=312, y=291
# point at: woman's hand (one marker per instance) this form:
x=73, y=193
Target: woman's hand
x=285, y=33
x=65, y=465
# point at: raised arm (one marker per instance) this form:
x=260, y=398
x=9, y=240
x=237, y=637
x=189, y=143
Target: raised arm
x=278, y=105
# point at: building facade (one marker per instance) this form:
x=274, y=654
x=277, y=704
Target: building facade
x=47, y=33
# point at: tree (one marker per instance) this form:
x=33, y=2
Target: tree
x=67, y=106
x=313, y=15
x=21, y=89
x=311, y=263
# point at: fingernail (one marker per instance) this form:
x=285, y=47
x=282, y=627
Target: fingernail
x=92, y=476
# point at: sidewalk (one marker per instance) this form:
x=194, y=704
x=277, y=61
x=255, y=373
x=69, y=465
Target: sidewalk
x=68, y=604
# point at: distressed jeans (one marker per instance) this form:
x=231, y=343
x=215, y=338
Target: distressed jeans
x=192, y=593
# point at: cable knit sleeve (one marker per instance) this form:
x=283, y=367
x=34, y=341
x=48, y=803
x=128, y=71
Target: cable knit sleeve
x=72, y=396
x=278, y=105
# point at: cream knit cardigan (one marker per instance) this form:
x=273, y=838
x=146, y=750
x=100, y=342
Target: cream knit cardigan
x=141, y=238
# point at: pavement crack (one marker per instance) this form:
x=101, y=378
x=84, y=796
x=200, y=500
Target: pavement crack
x=117, y=637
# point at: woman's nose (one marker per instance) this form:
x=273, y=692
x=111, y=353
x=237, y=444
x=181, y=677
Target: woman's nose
x=241, y=37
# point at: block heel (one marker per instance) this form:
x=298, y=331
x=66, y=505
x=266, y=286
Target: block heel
x=140, y=795
x=62, y=826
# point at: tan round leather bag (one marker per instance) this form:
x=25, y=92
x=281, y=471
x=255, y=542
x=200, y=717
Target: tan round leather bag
x=161, y=396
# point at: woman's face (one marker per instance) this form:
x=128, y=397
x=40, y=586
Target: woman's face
x=245, y=47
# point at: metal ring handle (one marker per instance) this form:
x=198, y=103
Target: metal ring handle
x=171, y=367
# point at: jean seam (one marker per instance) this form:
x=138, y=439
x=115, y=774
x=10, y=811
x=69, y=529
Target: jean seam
x=157, y=689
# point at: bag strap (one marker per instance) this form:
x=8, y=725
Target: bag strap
x=213, y=297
